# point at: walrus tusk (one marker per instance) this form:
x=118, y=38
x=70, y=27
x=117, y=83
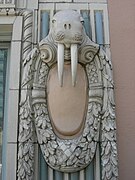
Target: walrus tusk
x=60, y=59
x=74, y=61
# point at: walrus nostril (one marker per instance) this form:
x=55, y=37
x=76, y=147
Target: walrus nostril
x=65, y=26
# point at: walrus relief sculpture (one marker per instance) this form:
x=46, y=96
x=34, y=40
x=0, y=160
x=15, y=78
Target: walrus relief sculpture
x=67, y=96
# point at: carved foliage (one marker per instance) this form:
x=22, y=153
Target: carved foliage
x=26, y=125
x=26, y=148
x=76, y=154
x=67, y=155
x=109, y=159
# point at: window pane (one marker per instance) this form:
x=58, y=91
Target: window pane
x=3, y=59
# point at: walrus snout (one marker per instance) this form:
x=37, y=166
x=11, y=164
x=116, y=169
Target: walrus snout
x=62, y=37
x=78, y=37
x=68, y=32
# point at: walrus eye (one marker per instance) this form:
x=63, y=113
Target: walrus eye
x=53, y=21
x=82, y=22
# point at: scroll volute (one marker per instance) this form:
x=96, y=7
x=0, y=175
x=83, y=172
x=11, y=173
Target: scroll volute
x=67, y=104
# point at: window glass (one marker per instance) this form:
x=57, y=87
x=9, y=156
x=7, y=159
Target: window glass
x=3, y=60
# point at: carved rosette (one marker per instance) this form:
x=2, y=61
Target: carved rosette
x=87, y=53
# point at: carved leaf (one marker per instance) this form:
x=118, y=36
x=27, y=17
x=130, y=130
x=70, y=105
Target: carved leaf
x=52, y=160
x=108, y=136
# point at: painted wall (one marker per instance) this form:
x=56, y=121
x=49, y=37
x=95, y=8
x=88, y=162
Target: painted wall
x=122, y=34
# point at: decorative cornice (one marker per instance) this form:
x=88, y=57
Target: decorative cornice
x=7, y=11
x=7, y=7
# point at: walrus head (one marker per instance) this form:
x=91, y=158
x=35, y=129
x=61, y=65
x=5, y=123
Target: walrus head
x=67, y=31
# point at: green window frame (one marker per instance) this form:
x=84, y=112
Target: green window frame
x=4, y=53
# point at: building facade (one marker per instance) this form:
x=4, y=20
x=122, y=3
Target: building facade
x=23, y=24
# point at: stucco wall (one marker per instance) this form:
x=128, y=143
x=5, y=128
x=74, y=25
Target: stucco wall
x=122, y=34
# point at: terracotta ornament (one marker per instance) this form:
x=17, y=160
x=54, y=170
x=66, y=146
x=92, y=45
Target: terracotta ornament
x=67, y=96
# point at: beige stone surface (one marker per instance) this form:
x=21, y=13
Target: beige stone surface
x=17, y=34
x=11, y=159
x=14, y=65
x=67, y=103
x=122, y=34
x=12, y=116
